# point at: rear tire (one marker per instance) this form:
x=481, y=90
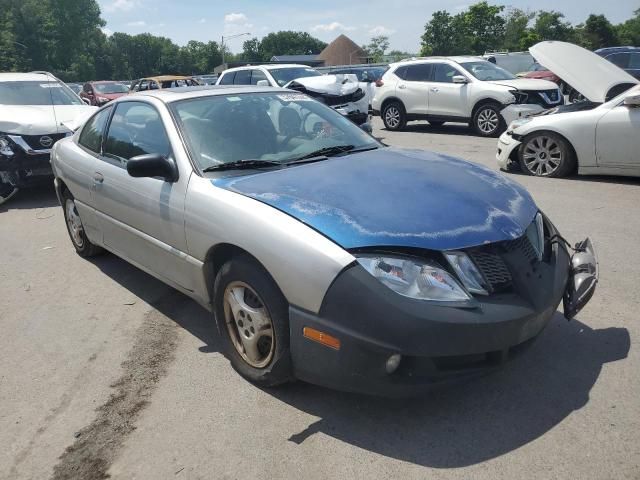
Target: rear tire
x=394, y=116
x=253, y=320
x=75, y=228
x=546, y=154
x=487, y=121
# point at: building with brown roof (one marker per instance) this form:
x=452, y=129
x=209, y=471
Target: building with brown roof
x=343, y=51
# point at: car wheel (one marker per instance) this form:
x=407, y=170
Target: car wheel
x=393, y=116
x=487, y=121
x=79, y=238
x=436, y=124
x=546, y=154
x=253, y=320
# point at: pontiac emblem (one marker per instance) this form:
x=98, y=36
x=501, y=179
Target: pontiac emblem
x=46, y=141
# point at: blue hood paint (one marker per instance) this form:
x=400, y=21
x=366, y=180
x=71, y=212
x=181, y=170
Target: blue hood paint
x=395, y=198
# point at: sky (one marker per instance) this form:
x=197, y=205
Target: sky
x=401, y=20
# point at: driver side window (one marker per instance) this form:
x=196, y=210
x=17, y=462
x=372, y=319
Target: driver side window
x=444, y=73
x=135, y=129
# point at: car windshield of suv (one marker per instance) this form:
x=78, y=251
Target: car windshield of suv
x=484, y=70
x=37, y=93
x=285, y=75
x=110, y=88
x=265, y=127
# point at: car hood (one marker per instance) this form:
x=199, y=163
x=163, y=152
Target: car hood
x=526, y=84
x=395, y=198
x=39, y=119
x=341, y=84
x=112, y=96
x=587, y=72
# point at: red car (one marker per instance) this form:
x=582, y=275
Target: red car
x=541, y=73
x=99, y=93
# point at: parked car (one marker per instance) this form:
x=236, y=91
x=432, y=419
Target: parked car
x=323, y=254
x=341, y=92
x=368, y=75
x=627, y=58
x=207, y=79
x=99, y=93
x=542, y=73
x=512, y=62
x=163, y=81
x=33, y=110
x=459, y=89
x=597, y=137
x=76, y=87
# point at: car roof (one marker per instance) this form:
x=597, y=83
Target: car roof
x=267, y=67
x=616, y=49
x=25, y=77
x=105, y=81
x=455, y=59
x=169, y=95
x=166, y=78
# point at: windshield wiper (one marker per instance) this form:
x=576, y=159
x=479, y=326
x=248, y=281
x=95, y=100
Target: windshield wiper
x=325, y=153
x=240, y=164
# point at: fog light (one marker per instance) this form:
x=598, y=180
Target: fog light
x=393, y=362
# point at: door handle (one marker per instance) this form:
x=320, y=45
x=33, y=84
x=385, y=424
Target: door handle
x=434, y=89
x=98, y=177
x=402, y=87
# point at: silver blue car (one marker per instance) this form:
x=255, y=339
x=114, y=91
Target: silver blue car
x=323, y=254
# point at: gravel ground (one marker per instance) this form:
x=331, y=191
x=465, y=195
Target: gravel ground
x=105, y=372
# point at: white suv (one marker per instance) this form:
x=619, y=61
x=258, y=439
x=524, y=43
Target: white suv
x=459, y=89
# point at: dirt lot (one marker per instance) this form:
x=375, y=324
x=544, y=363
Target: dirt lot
x=105, y=371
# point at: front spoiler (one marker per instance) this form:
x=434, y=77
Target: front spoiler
x=582, y=280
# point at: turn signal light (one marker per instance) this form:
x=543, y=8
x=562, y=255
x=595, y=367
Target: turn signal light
x=321, y=337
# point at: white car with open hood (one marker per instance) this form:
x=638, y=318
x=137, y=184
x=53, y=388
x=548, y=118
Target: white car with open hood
x=34, y=111
x=342, y=92
x=459, y=89
x=598, y=137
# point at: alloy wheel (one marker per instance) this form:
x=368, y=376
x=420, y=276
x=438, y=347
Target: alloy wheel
x=74, y=223
x=488, y=121
x=542, y=155
x=392, y=116
x=249, y=324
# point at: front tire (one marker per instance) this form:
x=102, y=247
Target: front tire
x=75, y=228
x=546, y=154
x=253, y=320
x=487, y=120
x=394, y=116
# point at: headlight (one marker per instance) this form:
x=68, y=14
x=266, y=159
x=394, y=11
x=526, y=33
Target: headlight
x=103, y=99
x=467, y=272
x=5, y=146
x=518, y=123
x=415, y=278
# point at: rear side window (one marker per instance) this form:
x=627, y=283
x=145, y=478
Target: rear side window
x=634, y=60
x=419, y=73
x=401, y=72
x=243, y=77
x=620, y=59
x=135, y=129
x=91, y=135
x=227, y=78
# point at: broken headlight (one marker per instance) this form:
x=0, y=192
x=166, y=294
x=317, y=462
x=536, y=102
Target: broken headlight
x=5, y=146
x=417, y=278
x=520, y=97
x=358, y=95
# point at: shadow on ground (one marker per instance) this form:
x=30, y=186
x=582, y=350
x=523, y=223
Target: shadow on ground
x=42, y=196
x=456, y=427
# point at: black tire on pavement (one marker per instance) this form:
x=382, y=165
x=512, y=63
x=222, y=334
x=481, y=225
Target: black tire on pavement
x=546, y=154
x=487, y=120
x=78, y=237
x=394, y=116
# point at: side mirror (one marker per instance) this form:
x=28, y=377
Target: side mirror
x=153, y=165
x=459, y=79
x=262, y=83
x=632, y=100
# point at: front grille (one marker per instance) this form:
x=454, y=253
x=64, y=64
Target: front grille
x=523, y=245
x=34, y=140
x=544, y=98
x=493, y=268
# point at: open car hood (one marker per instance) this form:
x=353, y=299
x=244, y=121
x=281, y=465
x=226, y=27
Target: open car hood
x=587, y=72
x=336, y=85
x=392, y=197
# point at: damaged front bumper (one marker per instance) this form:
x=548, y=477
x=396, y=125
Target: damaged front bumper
x=21, y=165
x=517, y=111
x=507, y=145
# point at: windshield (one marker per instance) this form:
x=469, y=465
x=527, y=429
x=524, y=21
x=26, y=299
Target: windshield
x=285, y=75
x=277, y=127
x=37, y=93
x=110, y=88
x=484, y=70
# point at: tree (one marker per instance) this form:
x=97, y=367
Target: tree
x=597, y=32
x=440, y=36
x=484, y=27
x=629, y=31
x=516, y=28
x=398, y=55
x=289, y=43
x=251, y=50
x=377, y=47
x=550, y=26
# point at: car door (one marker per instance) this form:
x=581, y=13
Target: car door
x=447, y=99
x=142, y=219
x=617, y=137
x=413, y=87
x=79, y=171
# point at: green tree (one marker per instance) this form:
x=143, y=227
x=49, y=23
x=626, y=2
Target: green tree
x=251, y=50
x=629, y=32
x=289, y=43
x=377, y=47
x=441, y=37
x=484, y=27
x=597, y=32
x=550, y=26
x=516, y=28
